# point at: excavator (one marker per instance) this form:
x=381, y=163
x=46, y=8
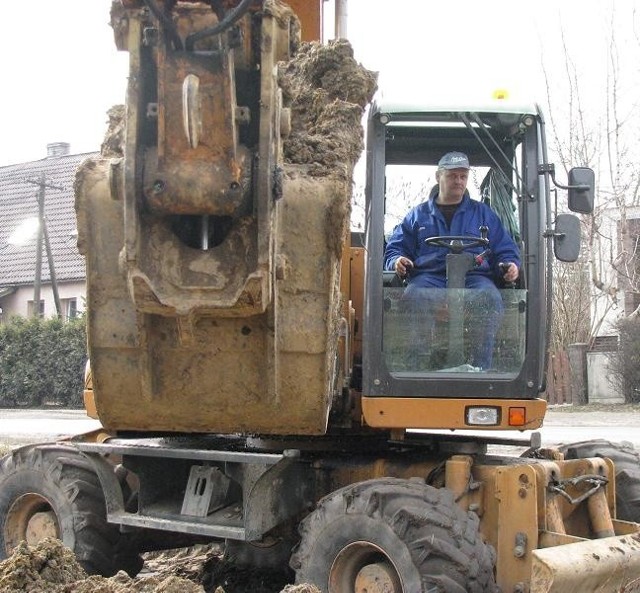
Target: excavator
x=258, y=377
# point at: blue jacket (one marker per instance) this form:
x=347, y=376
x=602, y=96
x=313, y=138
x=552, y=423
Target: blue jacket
x=426, y=220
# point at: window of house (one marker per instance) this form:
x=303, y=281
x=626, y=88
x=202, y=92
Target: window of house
x=30, y=309
x=628, y=263
x=69, y=308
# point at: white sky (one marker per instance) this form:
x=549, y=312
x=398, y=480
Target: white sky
x=61, y=71
x=484, y=45
x=60, y=74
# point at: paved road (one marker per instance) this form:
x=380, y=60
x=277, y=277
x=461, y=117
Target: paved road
x=34, y=426
x=564, y=426
x=561, y=426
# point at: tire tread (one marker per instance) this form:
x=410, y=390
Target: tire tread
x=98, y=545
x=444, y=540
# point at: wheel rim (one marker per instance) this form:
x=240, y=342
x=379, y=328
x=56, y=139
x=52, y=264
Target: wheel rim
x=30, y=518
x=363, y=567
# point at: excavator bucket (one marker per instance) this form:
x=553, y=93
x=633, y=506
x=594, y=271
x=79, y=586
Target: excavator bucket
x=608, y=565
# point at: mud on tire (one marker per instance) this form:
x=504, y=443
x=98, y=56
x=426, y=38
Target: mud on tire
x=418, y=530
x=627, y=463
x=53, y=490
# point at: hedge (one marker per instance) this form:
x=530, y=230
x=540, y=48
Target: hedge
x=42, y=362
x=624, y=364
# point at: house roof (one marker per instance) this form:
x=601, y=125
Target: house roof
x=18, y=202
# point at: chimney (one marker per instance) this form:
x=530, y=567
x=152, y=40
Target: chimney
x=55, y=149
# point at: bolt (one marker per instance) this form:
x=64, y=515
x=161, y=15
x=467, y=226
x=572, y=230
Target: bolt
x=158, y=186
x=522, y=493
x=520, y=548
x=519, y=588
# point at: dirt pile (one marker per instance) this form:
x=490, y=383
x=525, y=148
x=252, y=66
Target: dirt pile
x=327, y=91
x=40, y=568
x=113, y=143
x=50, y=567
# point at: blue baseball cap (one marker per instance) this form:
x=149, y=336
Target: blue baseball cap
x=454, y=160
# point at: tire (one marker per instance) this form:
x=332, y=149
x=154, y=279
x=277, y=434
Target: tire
x=627, y=463
x=406, y=535
x=53, y=491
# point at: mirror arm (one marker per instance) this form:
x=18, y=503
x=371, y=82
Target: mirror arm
x=551, y=169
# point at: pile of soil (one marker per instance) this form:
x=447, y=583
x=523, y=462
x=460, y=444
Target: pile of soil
x=327, y=91
x=50, y=567
x=113, y=143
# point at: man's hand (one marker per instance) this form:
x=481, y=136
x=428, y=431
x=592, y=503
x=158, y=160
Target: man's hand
x=510, y=272
x=402, y=266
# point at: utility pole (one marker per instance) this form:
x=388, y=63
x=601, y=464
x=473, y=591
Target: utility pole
x=43, y=235
x=341, y=19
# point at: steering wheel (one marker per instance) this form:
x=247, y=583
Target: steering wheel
x=457, y=243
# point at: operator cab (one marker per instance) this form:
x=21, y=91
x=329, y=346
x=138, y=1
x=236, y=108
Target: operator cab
x=424, y=347
x=457, y=329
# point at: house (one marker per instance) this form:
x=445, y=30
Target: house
x=617, y=259
x=615, y=294
x=20, y=187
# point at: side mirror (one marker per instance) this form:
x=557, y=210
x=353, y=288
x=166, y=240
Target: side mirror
x=566, y=238
x=581, y=188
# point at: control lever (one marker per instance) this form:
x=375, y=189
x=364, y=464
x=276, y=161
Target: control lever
x=478, y=259
x=503, y=270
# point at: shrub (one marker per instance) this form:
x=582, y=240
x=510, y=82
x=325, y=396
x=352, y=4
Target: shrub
x=625, y=363
x=42, y=362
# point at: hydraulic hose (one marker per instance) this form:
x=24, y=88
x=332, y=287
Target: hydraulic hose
x=230, y=19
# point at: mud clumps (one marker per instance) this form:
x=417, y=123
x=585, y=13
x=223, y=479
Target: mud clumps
x=50, y=567
x=40, y=568
x=327, y=91
x=113, y=143
x=285, y=17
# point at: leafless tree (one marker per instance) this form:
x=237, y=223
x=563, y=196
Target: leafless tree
x=601, y=136
x=402, y=194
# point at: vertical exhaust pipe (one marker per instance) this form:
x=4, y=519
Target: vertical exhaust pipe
x=341, y=19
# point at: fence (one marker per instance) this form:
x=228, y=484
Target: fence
x=566, y=376
x=558, y=379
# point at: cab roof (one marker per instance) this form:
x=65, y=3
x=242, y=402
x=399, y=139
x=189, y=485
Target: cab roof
x=500, y=102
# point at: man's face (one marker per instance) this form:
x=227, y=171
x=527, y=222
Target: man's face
x=452, y=183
